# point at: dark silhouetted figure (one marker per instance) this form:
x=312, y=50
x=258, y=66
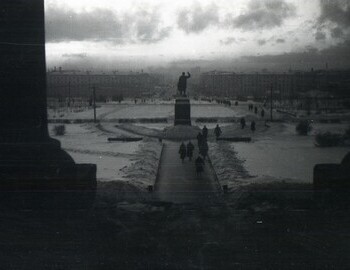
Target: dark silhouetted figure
x=242, y=123
x=199, y=165
x=190, y=148
x=217, y=131
x=252, y=126
x=199, y=139
x=346, y=160
x=182, y=151
x=182, y=84
x=203, y=149
x=256, y=110
x=262, y=113
x=205, y=132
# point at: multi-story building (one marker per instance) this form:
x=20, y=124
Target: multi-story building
x=72, y=83
x=283, y=85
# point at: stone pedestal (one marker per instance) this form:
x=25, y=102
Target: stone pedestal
x=182, y=111
x=29, y=158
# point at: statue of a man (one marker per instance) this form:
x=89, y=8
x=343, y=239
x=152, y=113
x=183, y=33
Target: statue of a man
x=182, y=84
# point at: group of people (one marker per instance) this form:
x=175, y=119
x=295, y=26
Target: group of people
x=186, y=150
x=243, y=124
x=255, y=109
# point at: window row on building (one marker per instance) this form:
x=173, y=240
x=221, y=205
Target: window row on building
x=63, y=84
x=286, y=85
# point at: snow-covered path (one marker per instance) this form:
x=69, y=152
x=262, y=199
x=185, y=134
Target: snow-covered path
x=177, y=181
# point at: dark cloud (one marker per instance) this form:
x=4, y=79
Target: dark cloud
x=228, y=41
x=197, y=18
x=103, y=25
x=320, y=35
x=337, y=32
x=68, y=25
x=335, y=18
x=280, y=40
x=336, y=11
x=261, y=42
x=338, y=56
x=263, y=15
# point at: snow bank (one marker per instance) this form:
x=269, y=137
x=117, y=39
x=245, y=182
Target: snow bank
x=143, y=170
x=229, y=168
x=276, y=155
x=87, y=143
x=286, y=156
x=124, y=170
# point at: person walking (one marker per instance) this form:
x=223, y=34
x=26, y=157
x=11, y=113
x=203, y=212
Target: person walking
x=217, y=131
x=205, y=132
x=190, y=148
x=242, y=123
x=182, y=151
x=252, y=125
x=262, y=113
x=255, y=110
x=204, y=148
x=199, y=139
x=199, y=165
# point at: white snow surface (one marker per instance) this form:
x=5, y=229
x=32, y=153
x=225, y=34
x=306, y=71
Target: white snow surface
x=275, y=154
x=131, y=162
x=112, y=111
x=288, y=155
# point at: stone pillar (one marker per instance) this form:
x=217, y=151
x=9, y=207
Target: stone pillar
x=29, y=158
x=182, y=112
x=22, y=72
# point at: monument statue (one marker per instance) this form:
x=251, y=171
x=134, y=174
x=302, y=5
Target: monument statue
x=182, y=104
x=182, y=84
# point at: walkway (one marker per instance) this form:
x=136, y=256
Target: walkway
x=177, y=181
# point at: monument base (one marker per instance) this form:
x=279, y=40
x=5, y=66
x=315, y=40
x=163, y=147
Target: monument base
x=37, y=169
x=182, y=111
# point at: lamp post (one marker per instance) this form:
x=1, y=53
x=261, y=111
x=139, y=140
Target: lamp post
x=271, y=103
x=94, y=101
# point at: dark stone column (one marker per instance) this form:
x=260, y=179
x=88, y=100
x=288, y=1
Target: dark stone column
x=182, y=112
x=28, y=156
x=22, y=71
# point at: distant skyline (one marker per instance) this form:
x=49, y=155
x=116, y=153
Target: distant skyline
x=137, y=34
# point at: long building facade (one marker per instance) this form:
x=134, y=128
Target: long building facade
x=283, y=85
x=62, y=84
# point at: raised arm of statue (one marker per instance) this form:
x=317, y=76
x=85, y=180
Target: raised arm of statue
x=188, y=75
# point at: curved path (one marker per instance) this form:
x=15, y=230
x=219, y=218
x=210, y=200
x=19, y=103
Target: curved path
x=177, y=182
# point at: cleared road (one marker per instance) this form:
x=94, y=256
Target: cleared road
x=178, y=182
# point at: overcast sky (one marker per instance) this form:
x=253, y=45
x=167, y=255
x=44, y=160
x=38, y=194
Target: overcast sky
x=162, y=31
